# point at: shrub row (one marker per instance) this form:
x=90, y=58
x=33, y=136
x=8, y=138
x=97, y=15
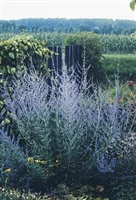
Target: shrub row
x=27, y=49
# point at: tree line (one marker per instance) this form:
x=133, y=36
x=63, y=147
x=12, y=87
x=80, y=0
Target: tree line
x=39, y=25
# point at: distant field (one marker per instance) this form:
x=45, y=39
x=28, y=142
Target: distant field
x=125, y=63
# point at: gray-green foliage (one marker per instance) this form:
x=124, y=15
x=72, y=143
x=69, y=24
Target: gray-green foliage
x=10, y=151
x=66, y=133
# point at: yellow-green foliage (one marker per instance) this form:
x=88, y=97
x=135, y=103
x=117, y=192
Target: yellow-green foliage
x=22, y=50
x=125, y=63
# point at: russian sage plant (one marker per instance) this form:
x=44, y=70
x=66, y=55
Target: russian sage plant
x=64, y=124
x=12, y=162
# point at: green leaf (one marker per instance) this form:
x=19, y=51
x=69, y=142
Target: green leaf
x=1, y=52
x=39, y=53
x=11, y=55
x=0, y=59
x=132, y=5
x=13, y=69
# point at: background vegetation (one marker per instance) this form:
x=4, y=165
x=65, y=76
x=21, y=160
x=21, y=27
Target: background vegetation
x=101, y=26
x=106, y=45
x=123, y=63
x=49, y=132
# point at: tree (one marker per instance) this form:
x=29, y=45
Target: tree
x=132, y=4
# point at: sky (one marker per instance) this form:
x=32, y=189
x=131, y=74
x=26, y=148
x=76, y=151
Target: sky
x=108, y=9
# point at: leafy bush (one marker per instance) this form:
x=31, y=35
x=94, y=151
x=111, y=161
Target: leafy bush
x=22, y=50
x=64, y=134
x=92, y=51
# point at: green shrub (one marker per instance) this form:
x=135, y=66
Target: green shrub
x=22, y=50
x=92, y=53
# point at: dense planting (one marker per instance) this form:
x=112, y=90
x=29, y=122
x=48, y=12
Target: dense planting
x=22, y=50
x=120, y=44
x=113, y=44
x=65, y=134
